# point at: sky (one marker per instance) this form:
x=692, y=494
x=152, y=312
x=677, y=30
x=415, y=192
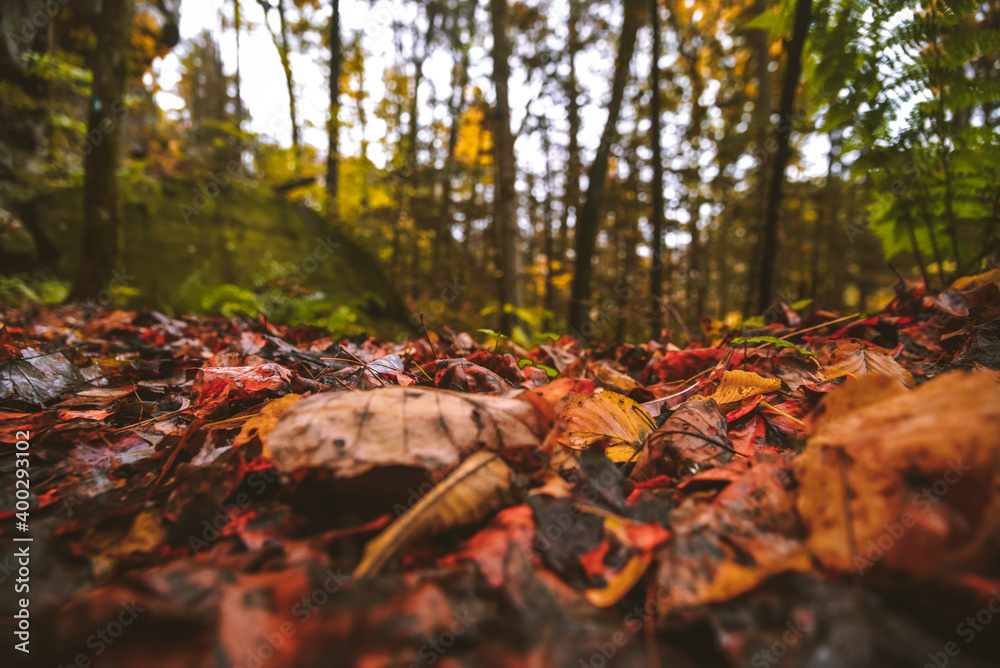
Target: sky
x=265, y=96
x=264, y=92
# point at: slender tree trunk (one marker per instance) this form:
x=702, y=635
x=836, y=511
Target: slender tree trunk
x=333, y=151
x=656, y=271
x=760, y=41
x=238, y=28
x=696, y=270
x=589, y=220
x=769, y=234
x=504, y=193
x=281, y=44
x=101, y=245
x=460, y=80
x=550, y=240
x=832, y=196
x=571, y=196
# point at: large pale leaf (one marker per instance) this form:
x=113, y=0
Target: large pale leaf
x=354, y=432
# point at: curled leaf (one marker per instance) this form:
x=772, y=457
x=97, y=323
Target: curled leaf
x=480, y=486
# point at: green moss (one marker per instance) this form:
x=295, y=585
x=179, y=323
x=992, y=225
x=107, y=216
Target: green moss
x=183, y=239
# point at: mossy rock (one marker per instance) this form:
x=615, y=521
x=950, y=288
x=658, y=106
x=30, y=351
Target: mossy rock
x=174, y=229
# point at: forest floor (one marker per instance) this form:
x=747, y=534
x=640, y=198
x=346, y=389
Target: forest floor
x=824, y=491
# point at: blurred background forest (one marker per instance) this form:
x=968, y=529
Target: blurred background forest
x=610, y=169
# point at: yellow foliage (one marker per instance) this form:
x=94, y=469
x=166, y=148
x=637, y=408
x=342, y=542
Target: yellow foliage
x=475, y=141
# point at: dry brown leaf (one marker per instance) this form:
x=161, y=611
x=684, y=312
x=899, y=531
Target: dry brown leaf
x=354, y=432
x=480, y=486
x=858, y=358
x=749, y=533
x=692, y=439
x=921, y=477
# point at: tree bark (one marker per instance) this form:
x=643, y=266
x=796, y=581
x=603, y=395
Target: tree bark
x=460, y=80
x=238, y=27
x=504, y=193
x=281, y=43
x=769, y=233
x=333, y=150
x=101, y=245
x=588, y=221
x=571, y=196
x=656, y=270
x=550, y=241
x=760, y=42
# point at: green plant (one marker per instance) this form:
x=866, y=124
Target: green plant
x=21, y=290
x=915, y=82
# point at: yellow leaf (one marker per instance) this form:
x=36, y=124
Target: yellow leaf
x=739, y=385
x=733, y=579
x=621, y=454
x=605, y=415
x=621, y=583
x=262, y=424
x=970, y=283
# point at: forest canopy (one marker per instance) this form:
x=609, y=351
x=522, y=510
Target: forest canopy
x=610, y=169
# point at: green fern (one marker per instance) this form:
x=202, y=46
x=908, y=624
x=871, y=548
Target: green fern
x=905, y=76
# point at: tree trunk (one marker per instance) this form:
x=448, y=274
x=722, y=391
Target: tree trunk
x=769, y=233
x=656, y=270
x=333, y=151
x=550, y=240
x=571, y=197
x=504, y=193
x=101, y=206
x=460, y=80
x=760, y=42
x=281, y=43
x=238, y=27
x=588, y=221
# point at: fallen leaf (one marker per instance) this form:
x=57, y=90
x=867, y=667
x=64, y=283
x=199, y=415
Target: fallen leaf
x=693, y=438
x=855, y=357
x=607, y=416
x=353, y=432
x=739, y=385
x=906, y=482
x=480, y=486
